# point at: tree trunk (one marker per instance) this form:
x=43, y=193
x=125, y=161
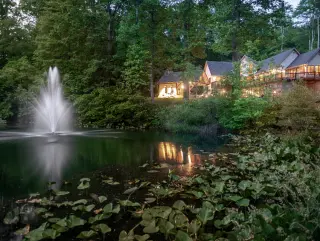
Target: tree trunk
x=318, y=33
x=236, y=18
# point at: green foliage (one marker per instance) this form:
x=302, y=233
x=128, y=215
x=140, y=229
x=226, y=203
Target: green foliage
x=18, y=86
x=242, y=113
x=112, y=107
x=194, y=116
x=299, y=108
x=136, y=69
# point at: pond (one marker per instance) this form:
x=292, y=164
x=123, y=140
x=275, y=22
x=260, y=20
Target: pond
x=28, y=162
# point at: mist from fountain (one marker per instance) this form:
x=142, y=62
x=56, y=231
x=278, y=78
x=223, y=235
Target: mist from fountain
x=53, y=112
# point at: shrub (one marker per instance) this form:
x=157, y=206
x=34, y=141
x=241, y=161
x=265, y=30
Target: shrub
x=299, y=109
x=113, y=107
x=194, y=116
x=242, y=112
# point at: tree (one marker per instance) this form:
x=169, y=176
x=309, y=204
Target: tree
x=136, y=68
x=15, y=39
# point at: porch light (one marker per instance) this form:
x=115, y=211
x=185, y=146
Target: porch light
x=182, y=86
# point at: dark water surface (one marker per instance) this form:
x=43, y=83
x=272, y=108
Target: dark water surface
x=28, y=163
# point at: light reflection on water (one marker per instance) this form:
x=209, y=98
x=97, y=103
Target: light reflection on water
x=28, y=164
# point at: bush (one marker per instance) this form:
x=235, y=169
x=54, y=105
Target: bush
x=194, y=116
x=113, y=107
x=241, y=112
x=299, y=109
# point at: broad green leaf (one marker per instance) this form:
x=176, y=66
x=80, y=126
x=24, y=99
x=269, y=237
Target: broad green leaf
x=62, y=222
x=85, y=179
x=99, y=217
x=197, y=194
x=89, y=208
x=131, y=190
x=158, y=211
x=40, y=210
x=59, y=228
x=23, y=231
x=150, y=200
x=194, y=226
x=234, y=198
x=61, y=193
x=205, y=215
x=53, y=220
x=124, y=236
x=180, y=205
x=103, y=228
x=243, y=185
x=36, y=234
x=102, y=199
x=79, y=207
x=108, y=208
x=165, y=227
x=243, y=202
x=81, y=201
x=87, y=234
x=51, y=233
x=47, y=215
x=12, y=217
x=142, y=238
x=179, y=219
x=151, y=228
x=74, y=221
x=32, y=195
x=182, y=236
x=128, y=203
x=116, y=209
x=83, y=185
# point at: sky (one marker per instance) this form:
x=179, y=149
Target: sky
x=294, y=3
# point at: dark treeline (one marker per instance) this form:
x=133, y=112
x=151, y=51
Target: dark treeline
x=112, y=52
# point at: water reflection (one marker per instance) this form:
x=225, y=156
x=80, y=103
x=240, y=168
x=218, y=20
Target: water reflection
x=50, y=157
x=27, y=165
x=171, y=152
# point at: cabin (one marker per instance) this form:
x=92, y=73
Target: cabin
x=172, y=84
x=306, y=67
x=214, y=71
x=276, y=65
x=248, y=68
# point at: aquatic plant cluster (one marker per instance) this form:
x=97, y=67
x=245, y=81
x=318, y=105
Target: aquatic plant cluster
x=267, y=190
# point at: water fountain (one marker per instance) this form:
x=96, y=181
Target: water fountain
x=53, y=112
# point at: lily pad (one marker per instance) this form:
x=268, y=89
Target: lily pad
x=158, y=211
x=81, y=201
x=74, y=221
x=103, y=228
x=85, y=179
x=83, y=185
x=182, y=236
x=142, y=237
x=205, y=215
x=124, y=236
x=180, y=205
x=99, y=217
x=87, y=234
x=128, y=203
x=102, y=199
x=243, y=202
x=151, y=228
x=150, y=200
x=40, y=210
x=61, y=193
x=131, y=190
x=51, y=233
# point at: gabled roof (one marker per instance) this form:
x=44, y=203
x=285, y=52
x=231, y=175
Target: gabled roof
x=219, y=68
x=275, y=60
x=304, y=58
x=173, y=77
x=250, y=59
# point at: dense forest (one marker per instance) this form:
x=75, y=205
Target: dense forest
x=112, y=52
